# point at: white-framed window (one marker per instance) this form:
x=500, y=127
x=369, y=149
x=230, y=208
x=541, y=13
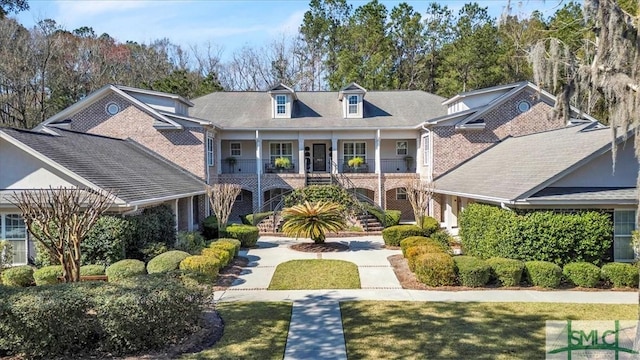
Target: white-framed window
x=14, y=230
x=277, y=150
x=425, y=149
x=401, y=194
x=402, y=148
x=210, y=153
x=235, y=149
x=281, y=105
x=624, y=222
x=353, y=104
x=354, y=149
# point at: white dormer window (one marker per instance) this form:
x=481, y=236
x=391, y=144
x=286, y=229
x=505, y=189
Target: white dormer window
x=281, y=105
x=353, y=105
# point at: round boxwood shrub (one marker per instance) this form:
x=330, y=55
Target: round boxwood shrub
x=508, y=272
x=582, y=274
x=430, y=225
x=417, y=250
x=472, y=272
x=218, y=253
x=166, y=262
x=543, y=273
x=442, y=237
x=227, y=246
x=202, y=268
x=620, y=274
x=247, y=234
x=190, y=241
x=47, y=275
x=20, y=276
x=393, y=235
x=92, y=270
x=235, y=242
x=125, y=269
x=435, y=269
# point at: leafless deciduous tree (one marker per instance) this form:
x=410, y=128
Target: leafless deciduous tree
x=222, y=197
x=59, y=219
x=419, y=194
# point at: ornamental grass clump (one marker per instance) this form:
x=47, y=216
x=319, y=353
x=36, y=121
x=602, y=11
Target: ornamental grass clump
x=507, y=272
x=582, y=274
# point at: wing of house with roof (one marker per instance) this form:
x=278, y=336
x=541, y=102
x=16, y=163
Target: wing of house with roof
x=477, y=120
x=62, y=158
x=564, y=169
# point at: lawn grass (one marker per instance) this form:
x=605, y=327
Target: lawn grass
x=411, y=330
x=252, y=330
x=315, y=274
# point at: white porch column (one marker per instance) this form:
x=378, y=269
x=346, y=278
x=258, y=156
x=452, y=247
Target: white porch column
x=301, y=164
x=334, y=154
x=419, y=154
x=176, y=208
x=379, y=168
x=190, y=214
x=218, y=162
x=258, y=196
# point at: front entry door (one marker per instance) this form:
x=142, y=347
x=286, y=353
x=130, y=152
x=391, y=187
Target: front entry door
x=319, y=157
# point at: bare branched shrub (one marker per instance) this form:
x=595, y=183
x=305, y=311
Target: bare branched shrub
x=60, y=219
x=222, y=197
x=419, y=194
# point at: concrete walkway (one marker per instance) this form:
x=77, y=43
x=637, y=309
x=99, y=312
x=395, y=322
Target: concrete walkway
x=315, y=330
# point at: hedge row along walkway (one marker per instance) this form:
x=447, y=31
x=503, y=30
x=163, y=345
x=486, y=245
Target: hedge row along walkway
x=315, y=331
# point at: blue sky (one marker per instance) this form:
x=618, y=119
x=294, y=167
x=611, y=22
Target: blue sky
x=228, y=24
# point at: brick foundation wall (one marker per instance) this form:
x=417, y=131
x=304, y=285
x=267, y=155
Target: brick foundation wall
x=403, y=205
x=452, y=147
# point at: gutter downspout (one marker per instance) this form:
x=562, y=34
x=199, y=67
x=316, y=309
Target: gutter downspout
x=126, y=213
x=504, y=206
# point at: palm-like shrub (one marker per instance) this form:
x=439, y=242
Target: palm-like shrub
x=313, y=220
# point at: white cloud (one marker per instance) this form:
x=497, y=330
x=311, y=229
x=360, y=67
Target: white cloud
x=290, y=25
x=83, y=9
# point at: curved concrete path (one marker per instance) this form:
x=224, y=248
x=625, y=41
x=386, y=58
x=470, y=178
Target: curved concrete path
x=315, y=331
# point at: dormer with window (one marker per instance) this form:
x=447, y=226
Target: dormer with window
x=282, y=98
x=352, y=98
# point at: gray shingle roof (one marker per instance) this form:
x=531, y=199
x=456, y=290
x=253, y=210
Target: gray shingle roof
x=112, y=164
x=317, y=110
x=586, y=194
x=519, y=165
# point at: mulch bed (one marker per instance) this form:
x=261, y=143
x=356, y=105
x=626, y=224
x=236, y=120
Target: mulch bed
x=408, y=281
x=320, y=248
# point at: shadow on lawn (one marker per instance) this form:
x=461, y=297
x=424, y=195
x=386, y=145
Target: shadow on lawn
x=449, y=330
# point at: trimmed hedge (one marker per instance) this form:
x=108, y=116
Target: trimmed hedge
x=166, y=262
x=543, y=273
x=20, y=276
x=413, y=241
x=235, y=242
x=386, y=217
x=430, y=225
x=125, y=269
x=247, y=234
x=472, y=272
x=395, y=234
x=443, y=237
x=221, y=254
x=47, y=275
x=508, y=272
x=415, y=251
x=203, y=268
x=488, y=231
x=116, y=319
x=105, y=243
x=435, y=269
x=92, y=270
x=226, y=246
x=582, y=274
x=620, y=274
x=254, y=219
x=210, y=227
x=191, y=242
